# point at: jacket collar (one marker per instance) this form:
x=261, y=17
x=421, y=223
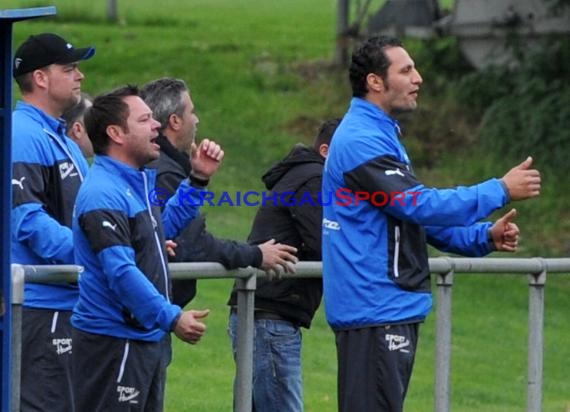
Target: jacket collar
x=56, y=126
x=179, y=157
x=130, y=174
x=373, y=111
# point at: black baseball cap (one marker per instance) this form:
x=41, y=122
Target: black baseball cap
x=43, y=49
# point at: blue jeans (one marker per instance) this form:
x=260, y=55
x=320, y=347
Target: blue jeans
x=277, y=378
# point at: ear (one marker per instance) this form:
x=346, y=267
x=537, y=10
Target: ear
x=324, y=150
x=116, y=134
x=174, y=122
x=375, y=83
x=40, y=78
x=75, y=131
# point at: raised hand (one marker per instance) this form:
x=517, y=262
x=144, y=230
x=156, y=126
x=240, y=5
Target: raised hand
x=522, y=182
x=278, y=258
x=206, y=158
x=505, y=233
x=189, y=328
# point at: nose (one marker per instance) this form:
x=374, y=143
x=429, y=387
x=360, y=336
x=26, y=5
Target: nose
x=417, y=79
x=80, y=75
x=155, y=124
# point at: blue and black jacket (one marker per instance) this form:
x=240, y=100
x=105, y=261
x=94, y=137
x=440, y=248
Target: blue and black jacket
x=48, y=169
x=119, y=239
x=375, y=261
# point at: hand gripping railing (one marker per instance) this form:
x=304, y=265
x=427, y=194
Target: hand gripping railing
x=444, y=268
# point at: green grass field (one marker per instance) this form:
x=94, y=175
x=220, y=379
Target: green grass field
x=261, y=80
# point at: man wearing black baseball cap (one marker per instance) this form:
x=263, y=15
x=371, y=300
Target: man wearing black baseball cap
x=48, y=168
x=44, y=49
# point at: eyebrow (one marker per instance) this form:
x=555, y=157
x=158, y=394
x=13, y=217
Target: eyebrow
x=144, y=115
x=407, y=67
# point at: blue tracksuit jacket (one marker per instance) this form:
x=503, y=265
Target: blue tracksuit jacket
x=375, y=261
x=48, y=168
x=119, y=239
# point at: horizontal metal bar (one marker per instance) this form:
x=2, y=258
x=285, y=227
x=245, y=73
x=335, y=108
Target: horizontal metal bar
x=500, y=265
x=211, y=270
x=208, y=270
x=52, y=273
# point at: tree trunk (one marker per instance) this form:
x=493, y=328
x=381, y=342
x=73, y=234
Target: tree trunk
x=112, y=11
x=342, y=41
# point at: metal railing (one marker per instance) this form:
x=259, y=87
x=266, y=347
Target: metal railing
x=443, y=268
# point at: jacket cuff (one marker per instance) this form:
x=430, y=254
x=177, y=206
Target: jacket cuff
x=174, y=321
x=490, y=242
x=257, y=257
x=198, y=182
x=168, y=317
x=506, y=189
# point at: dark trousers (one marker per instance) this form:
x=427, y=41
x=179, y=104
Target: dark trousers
x=374, y=367
x=46, y=383
x=113, y=374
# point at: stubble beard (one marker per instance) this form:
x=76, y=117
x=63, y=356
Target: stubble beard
x=405, y=109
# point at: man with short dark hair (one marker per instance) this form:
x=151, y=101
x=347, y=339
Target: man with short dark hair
x=283, y=306
x=375, y=263
x=48, y=168
x=124, y=315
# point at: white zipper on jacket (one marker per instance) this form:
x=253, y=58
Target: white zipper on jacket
x=67, y=152
x=396, y=250
x=157, y=240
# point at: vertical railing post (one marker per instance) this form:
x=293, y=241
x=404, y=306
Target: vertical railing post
x=243, y=386
x=535, y=340
x=18, y=276
x=444, y=283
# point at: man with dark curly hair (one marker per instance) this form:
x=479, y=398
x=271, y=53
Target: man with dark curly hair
x=375, y=262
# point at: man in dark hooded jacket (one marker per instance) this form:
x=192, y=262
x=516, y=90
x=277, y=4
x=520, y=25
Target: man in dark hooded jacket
x=283, y=306
x=171, y=104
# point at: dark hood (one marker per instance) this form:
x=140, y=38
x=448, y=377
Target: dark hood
x=299, y=155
